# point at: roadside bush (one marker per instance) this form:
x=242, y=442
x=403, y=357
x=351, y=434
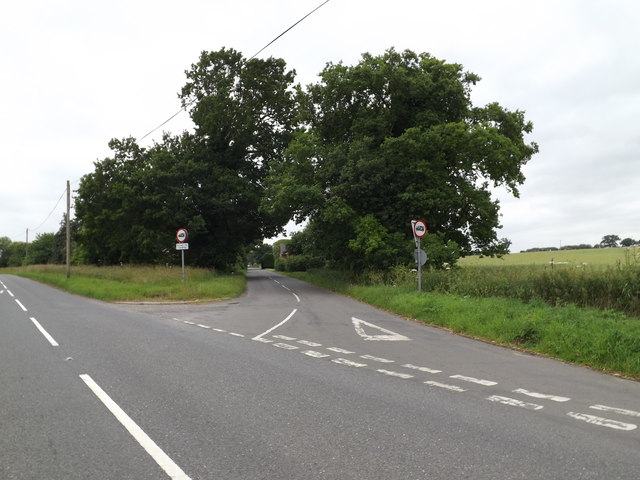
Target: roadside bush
x=299, y=263
x=268, y=260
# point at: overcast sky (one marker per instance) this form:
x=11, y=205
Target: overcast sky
x=76, y=73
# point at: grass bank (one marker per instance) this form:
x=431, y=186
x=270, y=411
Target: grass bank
x=604, y=340
x=137, y=283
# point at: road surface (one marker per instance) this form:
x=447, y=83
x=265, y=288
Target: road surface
x=289, y=381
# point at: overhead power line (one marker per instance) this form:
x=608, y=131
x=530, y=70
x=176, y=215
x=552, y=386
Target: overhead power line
x=250, y=58
x=50, y=213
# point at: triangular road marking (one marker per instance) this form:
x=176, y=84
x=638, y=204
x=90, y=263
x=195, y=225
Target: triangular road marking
x=388, y=334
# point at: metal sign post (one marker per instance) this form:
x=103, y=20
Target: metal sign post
x=182, y=235
x=419, y=228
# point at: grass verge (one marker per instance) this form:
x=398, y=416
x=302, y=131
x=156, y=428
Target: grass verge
x=604, y=340
x=136, y=283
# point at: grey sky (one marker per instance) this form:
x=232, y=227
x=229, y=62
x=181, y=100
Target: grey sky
x=74, y=74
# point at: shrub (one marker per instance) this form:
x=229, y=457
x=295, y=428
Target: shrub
x=268, y=260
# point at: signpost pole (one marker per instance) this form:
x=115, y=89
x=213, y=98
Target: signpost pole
x=419, y=267
x=182, y=251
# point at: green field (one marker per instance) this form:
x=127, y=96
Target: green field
x=590, y=257
x=137, y=283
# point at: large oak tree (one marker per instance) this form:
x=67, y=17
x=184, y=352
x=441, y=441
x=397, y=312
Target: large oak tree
x=391, y=139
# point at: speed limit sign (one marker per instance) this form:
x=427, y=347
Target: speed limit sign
x=182, y=235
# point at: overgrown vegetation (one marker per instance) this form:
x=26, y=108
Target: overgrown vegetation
x=128, y=283
x=603, y=339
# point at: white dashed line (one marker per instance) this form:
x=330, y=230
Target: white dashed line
x=376, y=359
x=161, y=458
x=44, y=332
x=285, y=346
x=204, y=326
x=421, y=369
x=620, y=411
x=188, y=322
x=263, y=340
x=405, y=376
x=348, y=363
x=236, y=334
x=283, y=337
x=486, y=383
x=542, y=396
x=314, y=354
x=340, y=350
x=602, y=422
x=219, y=330
x=514, y=403
x=309, y=344
x=9, y=292
x=453, y=388
x=21, y=305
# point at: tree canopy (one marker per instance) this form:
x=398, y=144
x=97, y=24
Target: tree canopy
x=358, y=155
x=209, y=181
x=396, y=138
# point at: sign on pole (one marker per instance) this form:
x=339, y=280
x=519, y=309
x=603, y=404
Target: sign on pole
x=182, y=236
x=419, y=228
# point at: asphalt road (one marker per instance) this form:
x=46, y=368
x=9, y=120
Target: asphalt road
x=289, y=382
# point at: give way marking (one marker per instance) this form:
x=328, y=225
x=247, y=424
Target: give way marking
x=387, y=335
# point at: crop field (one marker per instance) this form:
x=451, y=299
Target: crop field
x=579, y=258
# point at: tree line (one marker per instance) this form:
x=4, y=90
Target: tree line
x=608, y=241
x=356, y=156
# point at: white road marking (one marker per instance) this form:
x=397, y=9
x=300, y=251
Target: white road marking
x=284, y=337
x=603, y=422
x=278, y=325
x=309, y=344
x=406, y=376
x=453, y=388
x=236, y=334
x=287, y=289
x=314, y=354
x=339, y=350
x=422, y=369
x=21, y=305
x=486, y=383
x=161, y=458
x=204, y=326
x=621, y=411
x=348, y=363
x=514, y=403
x=44, y=332
x=376, y=359
x=188, y=322
x=543, y=396
x=286, y=346
x=219, y=330
x=9, y=292
x=263, y=340
x=389, y=335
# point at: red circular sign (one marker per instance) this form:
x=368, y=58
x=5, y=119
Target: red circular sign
x=182, y=235
x=419, y=228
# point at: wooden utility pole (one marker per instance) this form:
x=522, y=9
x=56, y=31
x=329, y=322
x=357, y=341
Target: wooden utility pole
x=68, y=230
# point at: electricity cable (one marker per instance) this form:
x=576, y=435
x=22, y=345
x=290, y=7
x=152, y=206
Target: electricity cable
x=250, y=58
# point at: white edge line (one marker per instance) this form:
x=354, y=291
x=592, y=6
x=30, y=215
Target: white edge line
x=161, y=458
x=44, y=332
x=21, y=305
x=257, y=337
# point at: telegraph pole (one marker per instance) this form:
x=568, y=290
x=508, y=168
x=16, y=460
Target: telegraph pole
x=68, y=230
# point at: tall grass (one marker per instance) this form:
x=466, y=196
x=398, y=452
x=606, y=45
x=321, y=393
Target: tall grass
x=605, y=288
x=137, y=283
